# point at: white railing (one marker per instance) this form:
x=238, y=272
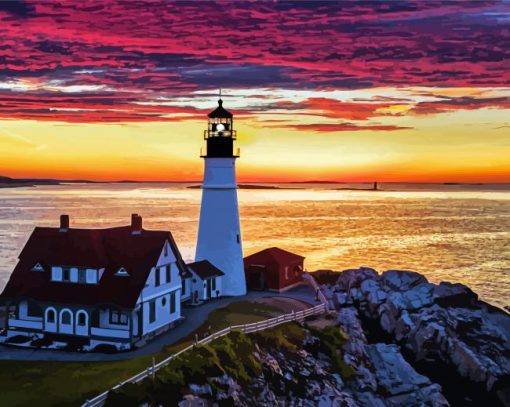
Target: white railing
x=317, y=289
x=246, y=328
x=24, y=323
x=110, y=332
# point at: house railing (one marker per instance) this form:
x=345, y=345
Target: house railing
x=246, y=328
x=317, y=289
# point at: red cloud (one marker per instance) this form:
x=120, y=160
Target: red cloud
x=460, y=103
x=162, y=48
x=334, y=127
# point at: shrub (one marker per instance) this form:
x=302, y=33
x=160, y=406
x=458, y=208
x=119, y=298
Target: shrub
x=44, y=341
x=17, y=339
x=331, y=340
x=105, y=348
x=287, y=337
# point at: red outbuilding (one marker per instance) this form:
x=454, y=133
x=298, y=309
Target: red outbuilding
x=273, y=269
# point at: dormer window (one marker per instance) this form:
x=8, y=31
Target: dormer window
x=38, y=267
x=122, y=272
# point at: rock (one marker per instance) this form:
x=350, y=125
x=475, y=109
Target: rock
x=444, y=323
x=351, y=325
x=414, y=298
x=454, y=295
x=190, y=400
x=401, y=280
x=199, y=390
x=341, y=299
x=397, y=379
x=373, y=293
x=351, y=278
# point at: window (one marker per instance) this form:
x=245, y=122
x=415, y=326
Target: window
x=172, y=303
x=66, y=274
x=213, y=283
x=91, y=276
x=38, y=267
x=117, y=317
x=163, y=301
x=297, y=270
x=168, y=270
x=50, y=316
x=34, y=310
x=82, y=318
x=286, y=272
x=238, y=238
x=157, y=276
x=152, y=311
x=122, y=272
x=66, y=318
x=56, y=273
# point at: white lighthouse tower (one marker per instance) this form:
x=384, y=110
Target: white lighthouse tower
x=219, y=231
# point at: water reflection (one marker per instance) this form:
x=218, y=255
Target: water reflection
x=454, y=233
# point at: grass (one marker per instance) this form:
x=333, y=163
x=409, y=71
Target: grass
x=29, y=383
x=235, y=355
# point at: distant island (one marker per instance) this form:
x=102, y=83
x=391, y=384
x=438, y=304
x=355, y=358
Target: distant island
x=248, y=186
x=6, y=182
x=374, y=188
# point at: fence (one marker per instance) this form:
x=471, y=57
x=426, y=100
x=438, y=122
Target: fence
x=246, y=328
x=317, y=290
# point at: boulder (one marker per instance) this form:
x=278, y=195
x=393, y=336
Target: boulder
x=399, y=381
x=401, y=280
x=351, y=278
x=454, y=295
x=373, y=293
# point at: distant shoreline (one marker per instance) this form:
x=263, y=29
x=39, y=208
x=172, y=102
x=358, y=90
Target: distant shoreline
x=7, y=182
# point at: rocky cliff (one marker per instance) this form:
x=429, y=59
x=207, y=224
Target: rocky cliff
x=443, y=330
x=393, y=339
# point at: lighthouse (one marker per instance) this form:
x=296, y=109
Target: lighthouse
x=219, y=230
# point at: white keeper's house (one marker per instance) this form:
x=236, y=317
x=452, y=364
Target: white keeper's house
x=118, y=286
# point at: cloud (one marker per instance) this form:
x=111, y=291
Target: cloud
x=164, y=49
x=460, y=103
x=335, y=127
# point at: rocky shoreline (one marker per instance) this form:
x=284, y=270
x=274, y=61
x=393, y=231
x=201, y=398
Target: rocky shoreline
x=390, y=339
x=444, y=331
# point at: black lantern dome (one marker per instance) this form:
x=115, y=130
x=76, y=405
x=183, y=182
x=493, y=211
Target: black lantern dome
x=220, y=134
x=220, y=112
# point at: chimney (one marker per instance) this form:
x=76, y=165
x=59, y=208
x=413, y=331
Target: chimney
x=136, y=224
x=64, y=223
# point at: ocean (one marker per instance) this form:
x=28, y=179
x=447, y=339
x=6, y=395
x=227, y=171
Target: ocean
x=456, y=233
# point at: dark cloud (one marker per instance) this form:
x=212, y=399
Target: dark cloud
x=18, y=8
x=161, y=48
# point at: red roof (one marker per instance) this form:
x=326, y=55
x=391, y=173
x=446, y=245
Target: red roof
x=110, y=249
x=277, y=254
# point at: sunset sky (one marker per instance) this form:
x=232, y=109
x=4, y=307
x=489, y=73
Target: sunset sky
x=347, y=91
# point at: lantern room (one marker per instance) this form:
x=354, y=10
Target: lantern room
x=220, y=134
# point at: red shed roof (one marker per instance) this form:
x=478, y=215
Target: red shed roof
x=275, y=253
x=110, y=249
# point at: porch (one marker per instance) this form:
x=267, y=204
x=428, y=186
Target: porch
x=102, y=322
